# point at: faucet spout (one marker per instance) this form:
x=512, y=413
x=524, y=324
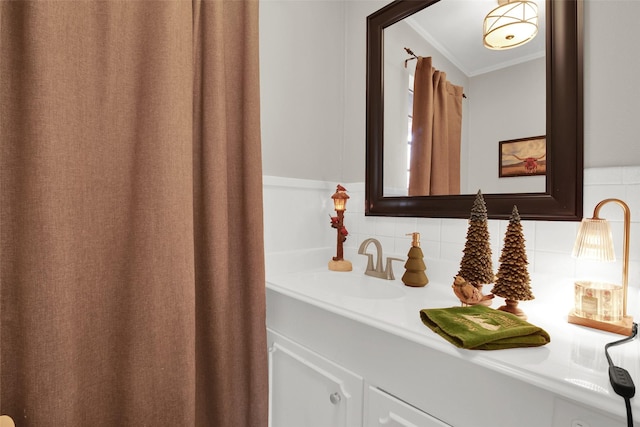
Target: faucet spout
x=363, y=251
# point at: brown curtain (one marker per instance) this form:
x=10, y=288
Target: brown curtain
x=436, y=133
x=132, y=268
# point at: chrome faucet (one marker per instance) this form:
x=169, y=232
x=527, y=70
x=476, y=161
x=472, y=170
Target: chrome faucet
x=377, y=271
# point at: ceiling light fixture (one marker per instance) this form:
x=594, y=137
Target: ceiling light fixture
x=511, y=24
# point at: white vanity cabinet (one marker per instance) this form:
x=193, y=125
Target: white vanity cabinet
x=351, y=362
x=308, y=390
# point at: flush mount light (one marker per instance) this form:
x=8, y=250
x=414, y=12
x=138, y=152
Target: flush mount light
x=511, y=24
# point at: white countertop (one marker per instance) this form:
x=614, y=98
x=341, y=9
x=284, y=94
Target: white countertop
x=572, y=365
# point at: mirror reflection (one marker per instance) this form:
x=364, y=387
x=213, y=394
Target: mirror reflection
x=493, y=97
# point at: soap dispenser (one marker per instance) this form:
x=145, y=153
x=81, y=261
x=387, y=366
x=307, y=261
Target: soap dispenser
x=415, y=268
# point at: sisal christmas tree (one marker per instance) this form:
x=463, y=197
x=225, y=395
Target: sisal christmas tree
x=476, y=266
x=513, y=280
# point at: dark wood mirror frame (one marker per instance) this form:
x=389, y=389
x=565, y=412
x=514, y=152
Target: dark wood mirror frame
x=564, y=122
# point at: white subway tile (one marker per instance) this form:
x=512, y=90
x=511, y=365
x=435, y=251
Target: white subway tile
x=431, y=249
x=548, y=243
x=596, y=193
x=369, y=226
x=631, y=175
x=553, y=263
x=385, y=227
x=404, y=226
x=555, y=236
x=429, y=228
x=454, y=230
x=401, y=246
x=632, y=198
x=451, y=251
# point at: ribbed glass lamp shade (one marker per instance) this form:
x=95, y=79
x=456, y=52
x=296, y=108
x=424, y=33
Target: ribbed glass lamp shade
x=594, y=240
x=510, y=25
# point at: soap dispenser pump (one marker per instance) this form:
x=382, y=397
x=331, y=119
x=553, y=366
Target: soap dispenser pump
x=415, y=268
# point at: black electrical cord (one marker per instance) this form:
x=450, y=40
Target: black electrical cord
x=620, y=378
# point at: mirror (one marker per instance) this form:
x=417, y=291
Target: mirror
x=501, y=86
x=560, y=195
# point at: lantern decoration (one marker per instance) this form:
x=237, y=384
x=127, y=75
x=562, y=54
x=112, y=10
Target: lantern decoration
x=338, y=263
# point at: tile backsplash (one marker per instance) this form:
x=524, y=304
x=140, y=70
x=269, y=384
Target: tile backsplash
x=296, y=215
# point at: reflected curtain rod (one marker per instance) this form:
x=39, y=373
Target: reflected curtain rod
x=414, y=56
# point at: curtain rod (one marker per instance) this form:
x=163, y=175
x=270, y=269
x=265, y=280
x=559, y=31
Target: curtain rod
x=414, y=56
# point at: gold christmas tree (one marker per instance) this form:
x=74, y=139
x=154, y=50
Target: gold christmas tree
x=476, y=266
x=513, y=282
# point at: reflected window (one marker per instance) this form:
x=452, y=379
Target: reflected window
x=410, y=123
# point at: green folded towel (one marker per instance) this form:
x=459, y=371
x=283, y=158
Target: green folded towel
x=479, y=327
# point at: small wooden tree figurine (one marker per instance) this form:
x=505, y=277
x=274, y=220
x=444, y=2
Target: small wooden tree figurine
x=513, y=282
x=476, y=266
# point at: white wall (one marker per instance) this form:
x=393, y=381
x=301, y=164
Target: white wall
x=302, y=66
x=313, y=58
x=611, y=70
x=504, y=104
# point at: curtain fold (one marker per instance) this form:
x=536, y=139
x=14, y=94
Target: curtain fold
x=131, y=257
x=436, y=133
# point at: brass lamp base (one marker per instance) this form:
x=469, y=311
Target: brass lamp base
x=340, y=265
x=623, y=327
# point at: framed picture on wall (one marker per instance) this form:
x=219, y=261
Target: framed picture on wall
x=523, y=157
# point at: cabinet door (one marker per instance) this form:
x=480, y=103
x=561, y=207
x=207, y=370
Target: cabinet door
x=385, y=410
x=570, y=414
x=307, y=390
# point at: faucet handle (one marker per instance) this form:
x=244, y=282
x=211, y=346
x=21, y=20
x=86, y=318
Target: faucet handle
x=388, y=271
